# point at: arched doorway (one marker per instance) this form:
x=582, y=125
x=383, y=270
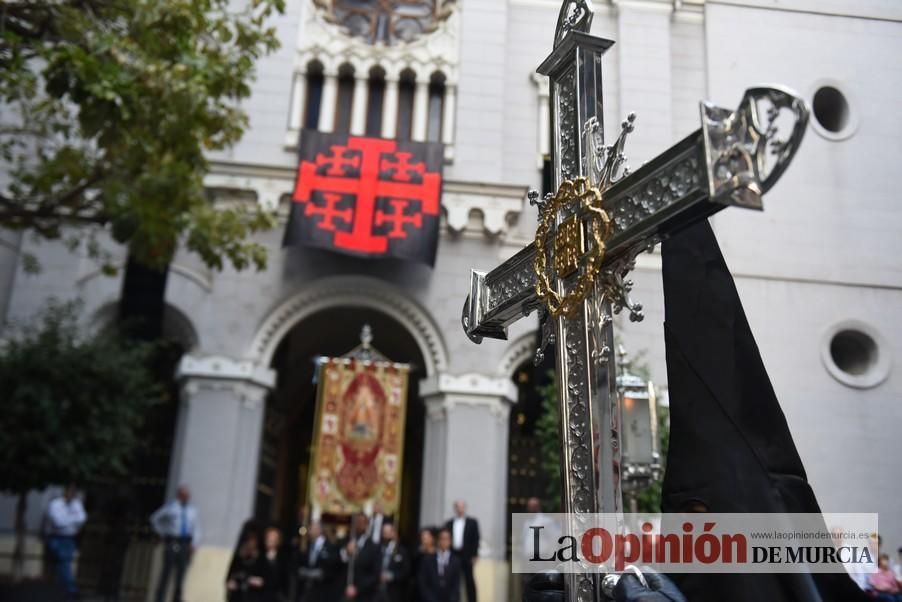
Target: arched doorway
x=286, y=449
x=528, y=474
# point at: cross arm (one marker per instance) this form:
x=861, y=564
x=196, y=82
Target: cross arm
x=733, y=159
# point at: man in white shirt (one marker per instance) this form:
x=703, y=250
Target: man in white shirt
x=465, y=543
x=377, y=521
x=64, y=518
x=178, y=525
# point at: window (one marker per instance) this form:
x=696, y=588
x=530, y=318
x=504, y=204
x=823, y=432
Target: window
x=406, y=92
x=436, y=104
x=547, y=176
x=314, y=95
x=375, y=100
x=345, y=100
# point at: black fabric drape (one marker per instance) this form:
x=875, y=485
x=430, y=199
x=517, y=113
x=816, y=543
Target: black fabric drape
x=731, y=449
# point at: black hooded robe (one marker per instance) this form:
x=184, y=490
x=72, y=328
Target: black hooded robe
x=730, y=446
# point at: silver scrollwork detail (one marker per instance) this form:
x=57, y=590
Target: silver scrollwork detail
x=599, y=321
x=607, y=163
x=511, y=285
x=579, y=429
x=740, y=168
x=664, y=189
x=575, y=15
x=537, y=201
x=547, y=337
x=617, y=288
x=567, y=130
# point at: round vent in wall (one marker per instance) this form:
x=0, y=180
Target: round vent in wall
x=834, y=117
x=855, y=355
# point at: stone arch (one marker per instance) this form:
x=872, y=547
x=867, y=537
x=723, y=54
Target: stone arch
x=176, y=324
x=351, y=291
x=521, y=349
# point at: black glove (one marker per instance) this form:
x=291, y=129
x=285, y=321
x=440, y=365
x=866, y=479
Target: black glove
x=545, y=587
x=660, y=588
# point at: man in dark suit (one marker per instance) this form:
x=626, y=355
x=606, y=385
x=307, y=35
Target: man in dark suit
x=395, y=566
x=318, y=567
x=464, y=532
x=363, y=562
x=438, y=575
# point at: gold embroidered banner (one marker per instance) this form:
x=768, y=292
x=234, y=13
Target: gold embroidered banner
x=359, y=437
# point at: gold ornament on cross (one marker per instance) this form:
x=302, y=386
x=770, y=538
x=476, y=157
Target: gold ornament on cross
x=569, y=245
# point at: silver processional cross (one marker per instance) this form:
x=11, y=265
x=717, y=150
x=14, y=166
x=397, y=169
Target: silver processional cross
x=591, y=231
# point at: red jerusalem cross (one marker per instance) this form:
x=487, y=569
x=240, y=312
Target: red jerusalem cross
x=365, y=159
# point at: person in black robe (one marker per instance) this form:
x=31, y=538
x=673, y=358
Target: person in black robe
x=439, y=574
x=731, y=449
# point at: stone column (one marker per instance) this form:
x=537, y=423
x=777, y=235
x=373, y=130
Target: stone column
x=328, y=102
x=544, y=118
x=390, y=108
x=296, y=112
x=215, y=453
x=420, y=111
x=358, y=106
x=465, y=457
x=448, y=115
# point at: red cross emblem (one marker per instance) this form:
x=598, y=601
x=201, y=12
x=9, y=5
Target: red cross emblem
x=365, y=192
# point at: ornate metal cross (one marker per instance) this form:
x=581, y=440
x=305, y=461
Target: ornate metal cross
x=591, y=231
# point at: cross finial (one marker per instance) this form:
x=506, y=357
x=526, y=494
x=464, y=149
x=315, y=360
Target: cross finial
x=622, y=355
x=366, y=336
x=575, y=15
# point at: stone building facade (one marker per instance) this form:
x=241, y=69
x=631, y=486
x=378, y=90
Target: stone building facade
x=818, y=269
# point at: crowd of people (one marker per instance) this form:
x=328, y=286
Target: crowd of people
x=360, y=562
x=882, y=580
x=365, y=564
x=315, y=562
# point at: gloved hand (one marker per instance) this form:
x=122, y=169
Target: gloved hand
x=660, y=588
x=545, y=587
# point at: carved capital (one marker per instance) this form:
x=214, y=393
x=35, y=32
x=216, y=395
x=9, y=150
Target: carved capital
x=248, y=381
x=471, y=388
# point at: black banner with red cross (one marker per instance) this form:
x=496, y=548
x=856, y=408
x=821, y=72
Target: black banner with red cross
x=368, y=197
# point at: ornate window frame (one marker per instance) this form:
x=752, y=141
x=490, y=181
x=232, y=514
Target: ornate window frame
x=441, y=9
x=326, y=43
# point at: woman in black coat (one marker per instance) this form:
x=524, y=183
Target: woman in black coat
x=244, y=581
x=274, y=567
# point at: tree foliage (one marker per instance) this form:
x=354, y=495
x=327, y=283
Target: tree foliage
x=72, y=406
x=108, y=110
x=548, y=430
